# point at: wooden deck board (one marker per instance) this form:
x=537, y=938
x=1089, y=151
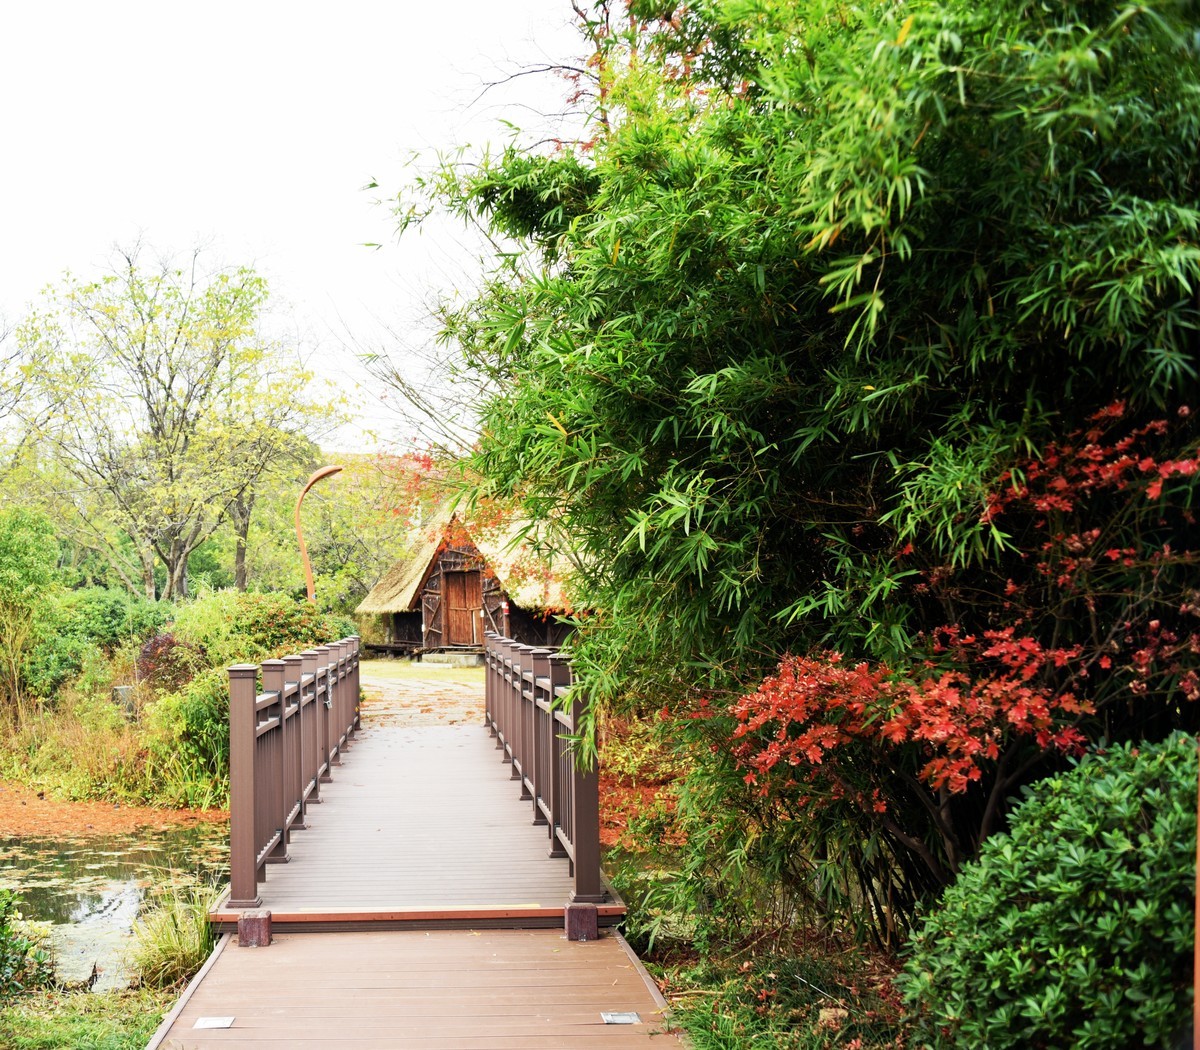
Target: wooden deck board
x=525, y=989
x=417, y=818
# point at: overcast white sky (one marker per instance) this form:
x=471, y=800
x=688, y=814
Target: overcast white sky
x=252, y=125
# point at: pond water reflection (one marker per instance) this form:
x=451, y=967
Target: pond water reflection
x=92, y=889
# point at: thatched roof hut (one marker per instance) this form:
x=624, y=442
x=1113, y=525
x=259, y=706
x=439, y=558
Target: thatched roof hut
x=452, y=587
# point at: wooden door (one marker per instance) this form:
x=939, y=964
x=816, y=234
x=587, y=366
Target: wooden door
x=464, y=599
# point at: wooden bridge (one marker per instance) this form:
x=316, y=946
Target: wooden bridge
x=435, y=875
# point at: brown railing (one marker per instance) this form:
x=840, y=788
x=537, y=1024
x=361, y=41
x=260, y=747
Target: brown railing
x=529, y=713
x=282, y=743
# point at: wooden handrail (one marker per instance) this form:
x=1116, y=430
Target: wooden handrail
x=526, y=697
x=282, y=745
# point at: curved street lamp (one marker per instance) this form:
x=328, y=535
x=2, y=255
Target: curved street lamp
x=324, y=472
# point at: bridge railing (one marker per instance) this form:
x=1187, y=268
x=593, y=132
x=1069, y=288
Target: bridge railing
x=283, y=742
x=529, y=713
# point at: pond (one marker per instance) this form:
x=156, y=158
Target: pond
x=91, y=890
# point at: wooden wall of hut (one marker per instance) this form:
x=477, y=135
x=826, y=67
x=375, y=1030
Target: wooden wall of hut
x=461, y=599
x=531, y=629
x=404, y=629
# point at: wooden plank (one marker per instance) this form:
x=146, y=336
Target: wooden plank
x=492, y=991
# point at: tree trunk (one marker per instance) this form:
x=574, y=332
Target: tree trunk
x=239, y=511
x=177, y=579
x=148, y=588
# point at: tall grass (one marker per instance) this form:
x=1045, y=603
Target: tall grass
x=173, y=937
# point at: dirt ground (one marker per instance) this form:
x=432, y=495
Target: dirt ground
x=397, y=692
x=24, y=812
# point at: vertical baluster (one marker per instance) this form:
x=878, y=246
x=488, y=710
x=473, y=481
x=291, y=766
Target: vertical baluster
x=560, y=678
x=313, y=723
x=274, y=744
x=292, y=673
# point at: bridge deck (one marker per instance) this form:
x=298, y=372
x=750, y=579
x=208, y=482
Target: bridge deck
x=420, y=825
x=495, y=990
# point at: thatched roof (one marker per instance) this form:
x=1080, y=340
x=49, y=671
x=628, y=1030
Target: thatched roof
x=529, y=580
x=399, y=589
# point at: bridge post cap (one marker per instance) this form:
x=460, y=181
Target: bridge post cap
x=241, y=670
x=272, y=663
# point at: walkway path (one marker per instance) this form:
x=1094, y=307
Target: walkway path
x=420, y=829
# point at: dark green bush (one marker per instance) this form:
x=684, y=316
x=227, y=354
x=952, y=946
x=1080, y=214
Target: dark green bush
x=82, y=621
x=112, y=617
x=1075, y=928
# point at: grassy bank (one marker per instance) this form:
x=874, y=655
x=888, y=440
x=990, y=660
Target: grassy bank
x=49, y=1019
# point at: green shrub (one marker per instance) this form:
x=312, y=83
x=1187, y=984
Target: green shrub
x=234, y=628
x=78, y=624
x=112, y=617
x=189, y=725
x=190, y=741
x=1075, y=928
x=22, y=963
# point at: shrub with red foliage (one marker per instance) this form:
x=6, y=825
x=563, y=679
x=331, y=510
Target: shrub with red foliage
x=168, y=663
x=1087, y=628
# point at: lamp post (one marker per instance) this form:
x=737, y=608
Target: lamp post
x=324, y=472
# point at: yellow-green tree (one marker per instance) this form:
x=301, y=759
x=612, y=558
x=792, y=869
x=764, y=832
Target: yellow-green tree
x=174, y=405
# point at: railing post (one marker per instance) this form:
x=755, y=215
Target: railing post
x=341, y=650
x=542, y=725
x=321, y=686
x=243, y=850
x=333, y=712
x=522, y=664
x=489, y=686
x=589, y=887
x=511, y=667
